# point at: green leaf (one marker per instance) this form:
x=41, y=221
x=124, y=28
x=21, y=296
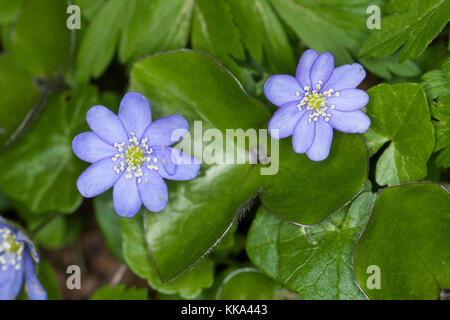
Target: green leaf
x=408, y=239
x=9, y=10
x=411, y=23
x=389, y=66
x=109, y=223
x=17, y=98
x=119, y=292
x=263, y=34
x=337, y=26
x=314, y=261
x=214, y=31
x=195, y=86
x=138, y=257
x=249, y=284
x=399, y=114
x=156, y=26
x=100, y=40
x=437, y=82
x=441, y=112
x=306, y=192
x=40, y=169
x=59, y=232
x=40, y=40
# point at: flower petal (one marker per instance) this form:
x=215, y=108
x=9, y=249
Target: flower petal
x=33, y=287
x=98, y=178
x=106, y=125
x=164, y=156
x=303, y=135
x=126, y=199
x=322, y=141
x=188, y=167
x=166, y=131
x=153, y=190
x=135, y=113
x=349, y=100
x=304, y=66
x=348, y=76
x=88, y=147
x=350, y=122
x=282, y=88
x=11, y=282
x=321, y=69
x=285, y=118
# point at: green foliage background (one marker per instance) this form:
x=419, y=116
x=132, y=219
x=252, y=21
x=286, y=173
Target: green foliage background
x=309, y=232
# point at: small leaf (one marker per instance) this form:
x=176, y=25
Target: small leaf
x=437, y=82
x=249, y=284
x=408, y=240
x=313, y=261
x=399, y=114
x=119, y=292
x=441, y=112
x=263, y=34
x=411, y=23
x=40, y=168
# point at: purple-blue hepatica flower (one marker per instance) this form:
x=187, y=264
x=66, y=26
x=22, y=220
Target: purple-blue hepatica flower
x=132, y=154
x=318, y=99
x=17, y=259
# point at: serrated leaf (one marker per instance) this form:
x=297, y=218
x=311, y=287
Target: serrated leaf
x=40, y=40
x=139, y=259
x=441, y=112
x=335, y=26
x=411, y=23
x=408, y=239
x=437, y=82
x=313, y=261
x=399, y=114
x=40, y=169
x=119, y=292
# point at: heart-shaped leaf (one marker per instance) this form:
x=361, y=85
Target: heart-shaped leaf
x=314, y=261
x=404, y=253
x=399, y=115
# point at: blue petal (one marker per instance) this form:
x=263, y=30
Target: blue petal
x=304, y=66
x=322, y=141
x=135, y=113
x=188, y=167
x=98, y=178
x=285, y=119
x=106, y=125
x=126, y=199
x=153, y=190
x=33, y=287
x=281, y=89
x=166, y=131
x=11, y=282
x=88, y=147
x=349, y=100
x=303, y=135
x=350, y=122
x=322, y=69
x=164, y=156
x=348, y=76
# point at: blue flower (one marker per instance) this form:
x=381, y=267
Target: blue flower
x=17, y=258
x=132, y=154
x=317, y=100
